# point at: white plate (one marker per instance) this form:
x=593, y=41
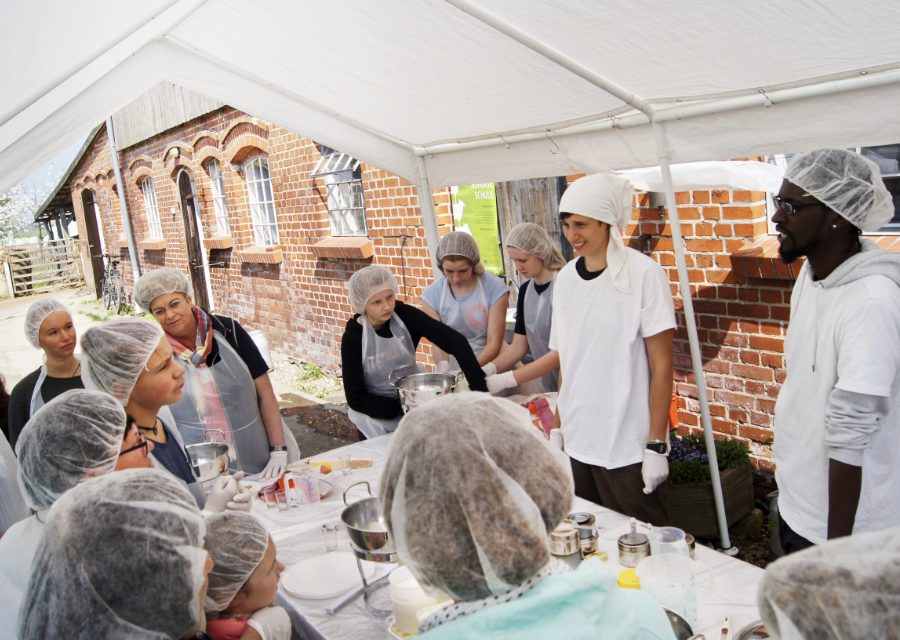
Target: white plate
x=324, y=576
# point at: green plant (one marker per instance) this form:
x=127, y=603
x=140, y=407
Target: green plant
x=310, y=372
x=689, y=462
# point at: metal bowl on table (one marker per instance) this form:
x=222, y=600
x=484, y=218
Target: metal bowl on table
x=419, y=388
x=365, y=526
x=208, y=459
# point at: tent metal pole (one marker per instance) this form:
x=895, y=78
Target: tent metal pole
x=429, y=216
x=684, y=285
x=123, y=200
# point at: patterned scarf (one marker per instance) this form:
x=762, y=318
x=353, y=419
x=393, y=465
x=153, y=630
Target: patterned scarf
x=200, y=384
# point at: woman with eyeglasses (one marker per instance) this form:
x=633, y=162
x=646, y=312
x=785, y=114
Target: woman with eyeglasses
x=130, y=359
x=226, y=381
x=48, y=327
x=77, y=435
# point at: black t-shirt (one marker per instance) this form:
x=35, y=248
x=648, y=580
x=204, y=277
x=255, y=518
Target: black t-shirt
x=173, y=457
x=583, y=270
x=419, y=324
x=520, y=304
x=20, y=399
x=241, y=342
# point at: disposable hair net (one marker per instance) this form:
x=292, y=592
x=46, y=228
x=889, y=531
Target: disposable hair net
x=470, y=493
x=77, y=433
x=534, y=239
x=605, y=197
x=35, y=316
x=237, y=542
x=159, y=282
x=461, y=244
x=121, y=556
x=846, y=183
x=368, y=281
x=115, y=353
x=846, y=588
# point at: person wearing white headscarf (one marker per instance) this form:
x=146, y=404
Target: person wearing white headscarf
x=613, y=326
x=470, y=493
x=379, y=340
x=48, y=327
x=837, y=417
x=538, y=259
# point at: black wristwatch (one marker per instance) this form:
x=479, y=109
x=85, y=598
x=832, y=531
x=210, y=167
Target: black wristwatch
x=658, y=446
x=277, y=447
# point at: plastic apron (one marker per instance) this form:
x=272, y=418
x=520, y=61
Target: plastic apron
x=37, y=401
x=469, y=317
x=381, y=357
x=237, y=394
x=538, y=314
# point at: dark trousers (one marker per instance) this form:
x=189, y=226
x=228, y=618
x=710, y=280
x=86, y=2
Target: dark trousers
x=790, y=540
x=621, y=490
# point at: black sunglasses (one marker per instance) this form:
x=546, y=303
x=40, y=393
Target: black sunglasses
x=790, y=208
x=142, y=443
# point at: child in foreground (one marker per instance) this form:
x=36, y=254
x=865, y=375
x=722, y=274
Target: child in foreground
x=244, y=581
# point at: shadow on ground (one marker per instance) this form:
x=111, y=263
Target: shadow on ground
x=319, y=428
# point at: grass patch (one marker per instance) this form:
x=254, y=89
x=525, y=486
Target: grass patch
x=314, y=382
x=310, y=371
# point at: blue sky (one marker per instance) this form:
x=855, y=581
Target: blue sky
x=60, y=163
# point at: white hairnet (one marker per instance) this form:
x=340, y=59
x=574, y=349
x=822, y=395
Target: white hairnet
x=459, y=244
x=35, y=316
x=159, y=282
x=846, y=588
x=77, y=432
x=470, y=493
x=237, y=543
x=846, y=183
x=115, y=353
x=121, y=556
x=368, y=281
x=533, y=238
x=608, y=198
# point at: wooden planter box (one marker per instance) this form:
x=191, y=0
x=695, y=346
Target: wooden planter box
x=691, y=506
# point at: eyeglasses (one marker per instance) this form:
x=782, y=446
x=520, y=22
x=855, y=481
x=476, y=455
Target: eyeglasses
x=790, y=208
x=142, y=443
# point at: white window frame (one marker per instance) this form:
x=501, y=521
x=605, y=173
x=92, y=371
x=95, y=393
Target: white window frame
x=153, y=222
x=220, y=205
x=261, y=200
x=346, y=204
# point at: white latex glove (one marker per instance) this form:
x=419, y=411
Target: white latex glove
x=223, y=491
x=654, y=470
x=501, y=381
x=271, y=623
x=443, y=366
x=276, y=465
x=556, y=439
x=489, y=369
x=243, y=499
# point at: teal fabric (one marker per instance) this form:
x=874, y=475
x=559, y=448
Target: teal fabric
x=584, y=604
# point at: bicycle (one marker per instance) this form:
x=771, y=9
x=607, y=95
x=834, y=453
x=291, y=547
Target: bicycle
x=112, y=290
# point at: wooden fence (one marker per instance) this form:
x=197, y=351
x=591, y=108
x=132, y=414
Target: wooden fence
x=44, y=266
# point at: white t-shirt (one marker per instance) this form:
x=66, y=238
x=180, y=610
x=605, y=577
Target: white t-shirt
x=17, y=548
x=604, y=403
x=494, y=288
x=845, y=337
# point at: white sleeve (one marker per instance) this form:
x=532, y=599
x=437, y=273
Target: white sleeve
x=852, y=420
x=657, y=305
x=868, y=343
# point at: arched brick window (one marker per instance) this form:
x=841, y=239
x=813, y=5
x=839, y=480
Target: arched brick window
x=151, y=207
x=262, y=203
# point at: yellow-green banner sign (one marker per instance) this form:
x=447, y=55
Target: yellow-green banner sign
x=475, y=212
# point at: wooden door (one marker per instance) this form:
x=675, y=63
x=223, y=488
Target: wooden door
x=94, y=241
x=192, y=232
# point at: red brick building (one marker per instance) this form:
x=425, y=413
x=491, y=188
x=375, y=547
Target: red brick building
x=277, y=259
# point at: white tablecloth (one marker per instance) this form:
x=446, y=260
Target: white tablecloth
x=725, y=586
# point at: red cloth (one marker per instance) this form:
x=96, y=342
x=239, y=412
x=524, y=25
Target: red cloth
x=226, y=628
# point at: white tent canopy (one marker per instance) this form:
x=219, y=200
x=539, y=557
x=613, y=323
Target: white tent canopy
x=459, y=91
x=391, y=81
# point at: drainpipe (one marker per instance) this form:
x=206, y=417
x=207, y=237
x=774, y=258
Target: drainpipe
x=123, y=201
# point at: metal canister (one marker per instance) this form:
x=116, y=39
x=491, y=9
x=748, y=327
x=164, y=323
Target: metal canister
x=587, y=531
x=564, y=543
x=633, y=547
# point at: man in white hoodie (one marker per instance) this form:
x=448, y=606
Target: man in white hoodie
x=837, y=419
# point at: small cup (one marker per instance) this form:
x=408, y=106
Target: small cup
x=346, y=464
x=281, y=500
x=268, y=496
x=329, y=535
